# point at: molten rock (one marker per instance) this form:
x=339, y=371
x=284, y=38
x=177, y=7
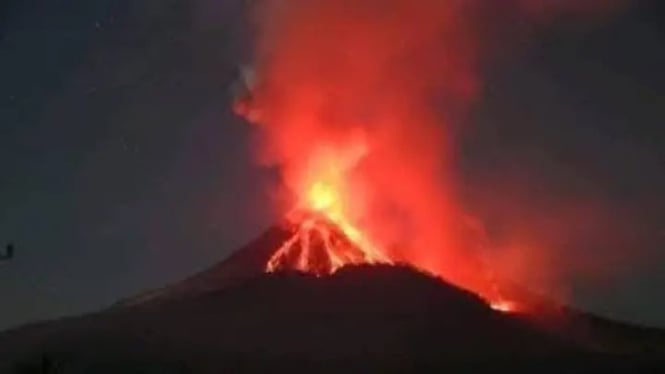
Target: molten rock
x=321, y=247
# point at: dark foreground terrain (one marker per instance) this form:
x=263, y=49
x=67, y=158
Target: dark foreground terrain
x=370, y=319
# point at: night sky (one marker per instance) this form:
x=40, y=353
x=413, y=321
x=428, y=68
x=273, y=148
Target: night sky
x=123, y=168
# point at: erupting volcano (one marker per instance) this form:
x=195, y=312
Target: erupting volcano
x=361, y=133
x=359, y=106
x=382, y=258
x=323, y=239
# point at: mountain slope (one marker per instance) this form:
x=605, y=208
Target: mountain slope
x=372, y=314
x=234, y=317
x=248, y=262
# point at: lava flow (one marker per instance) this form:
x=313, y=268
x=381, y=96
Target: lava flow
x=324, y=239
x=320, y=247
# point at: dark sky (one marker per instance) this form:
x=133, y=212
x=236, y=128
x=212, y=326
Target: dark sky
x=122, y=167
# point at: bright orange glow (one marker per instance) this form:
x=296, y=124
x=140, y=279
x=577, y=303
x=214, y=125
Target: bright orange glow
x=322, y=196
x=325, y=236
x=504, y=306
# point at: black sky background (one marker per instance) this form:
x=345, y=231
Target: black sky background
x=122, y=167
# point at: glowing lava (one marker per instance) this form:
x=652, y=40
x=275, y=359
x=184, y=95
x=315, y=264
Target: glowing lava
x=320, y=247
x=504, y=306
x=324, y=239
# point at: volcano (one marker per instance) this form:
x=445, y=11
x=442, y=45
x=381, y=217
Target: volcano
x=269, y=307
x=307, y=242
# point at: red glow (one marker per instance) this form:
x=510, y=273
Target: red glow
x=357, y=103
x=344, y=99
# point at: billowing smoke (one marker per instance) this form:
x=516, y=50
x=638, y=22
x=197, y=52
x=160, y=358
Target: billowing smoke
x=368, y=97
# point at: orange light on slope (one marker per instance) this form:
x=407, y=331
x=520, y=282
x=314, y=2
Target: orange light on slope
x=505, y=306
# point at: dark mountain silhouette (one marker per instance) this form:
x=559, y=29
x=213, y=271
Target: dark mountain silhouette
x=246, y=263
x=234, y=317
